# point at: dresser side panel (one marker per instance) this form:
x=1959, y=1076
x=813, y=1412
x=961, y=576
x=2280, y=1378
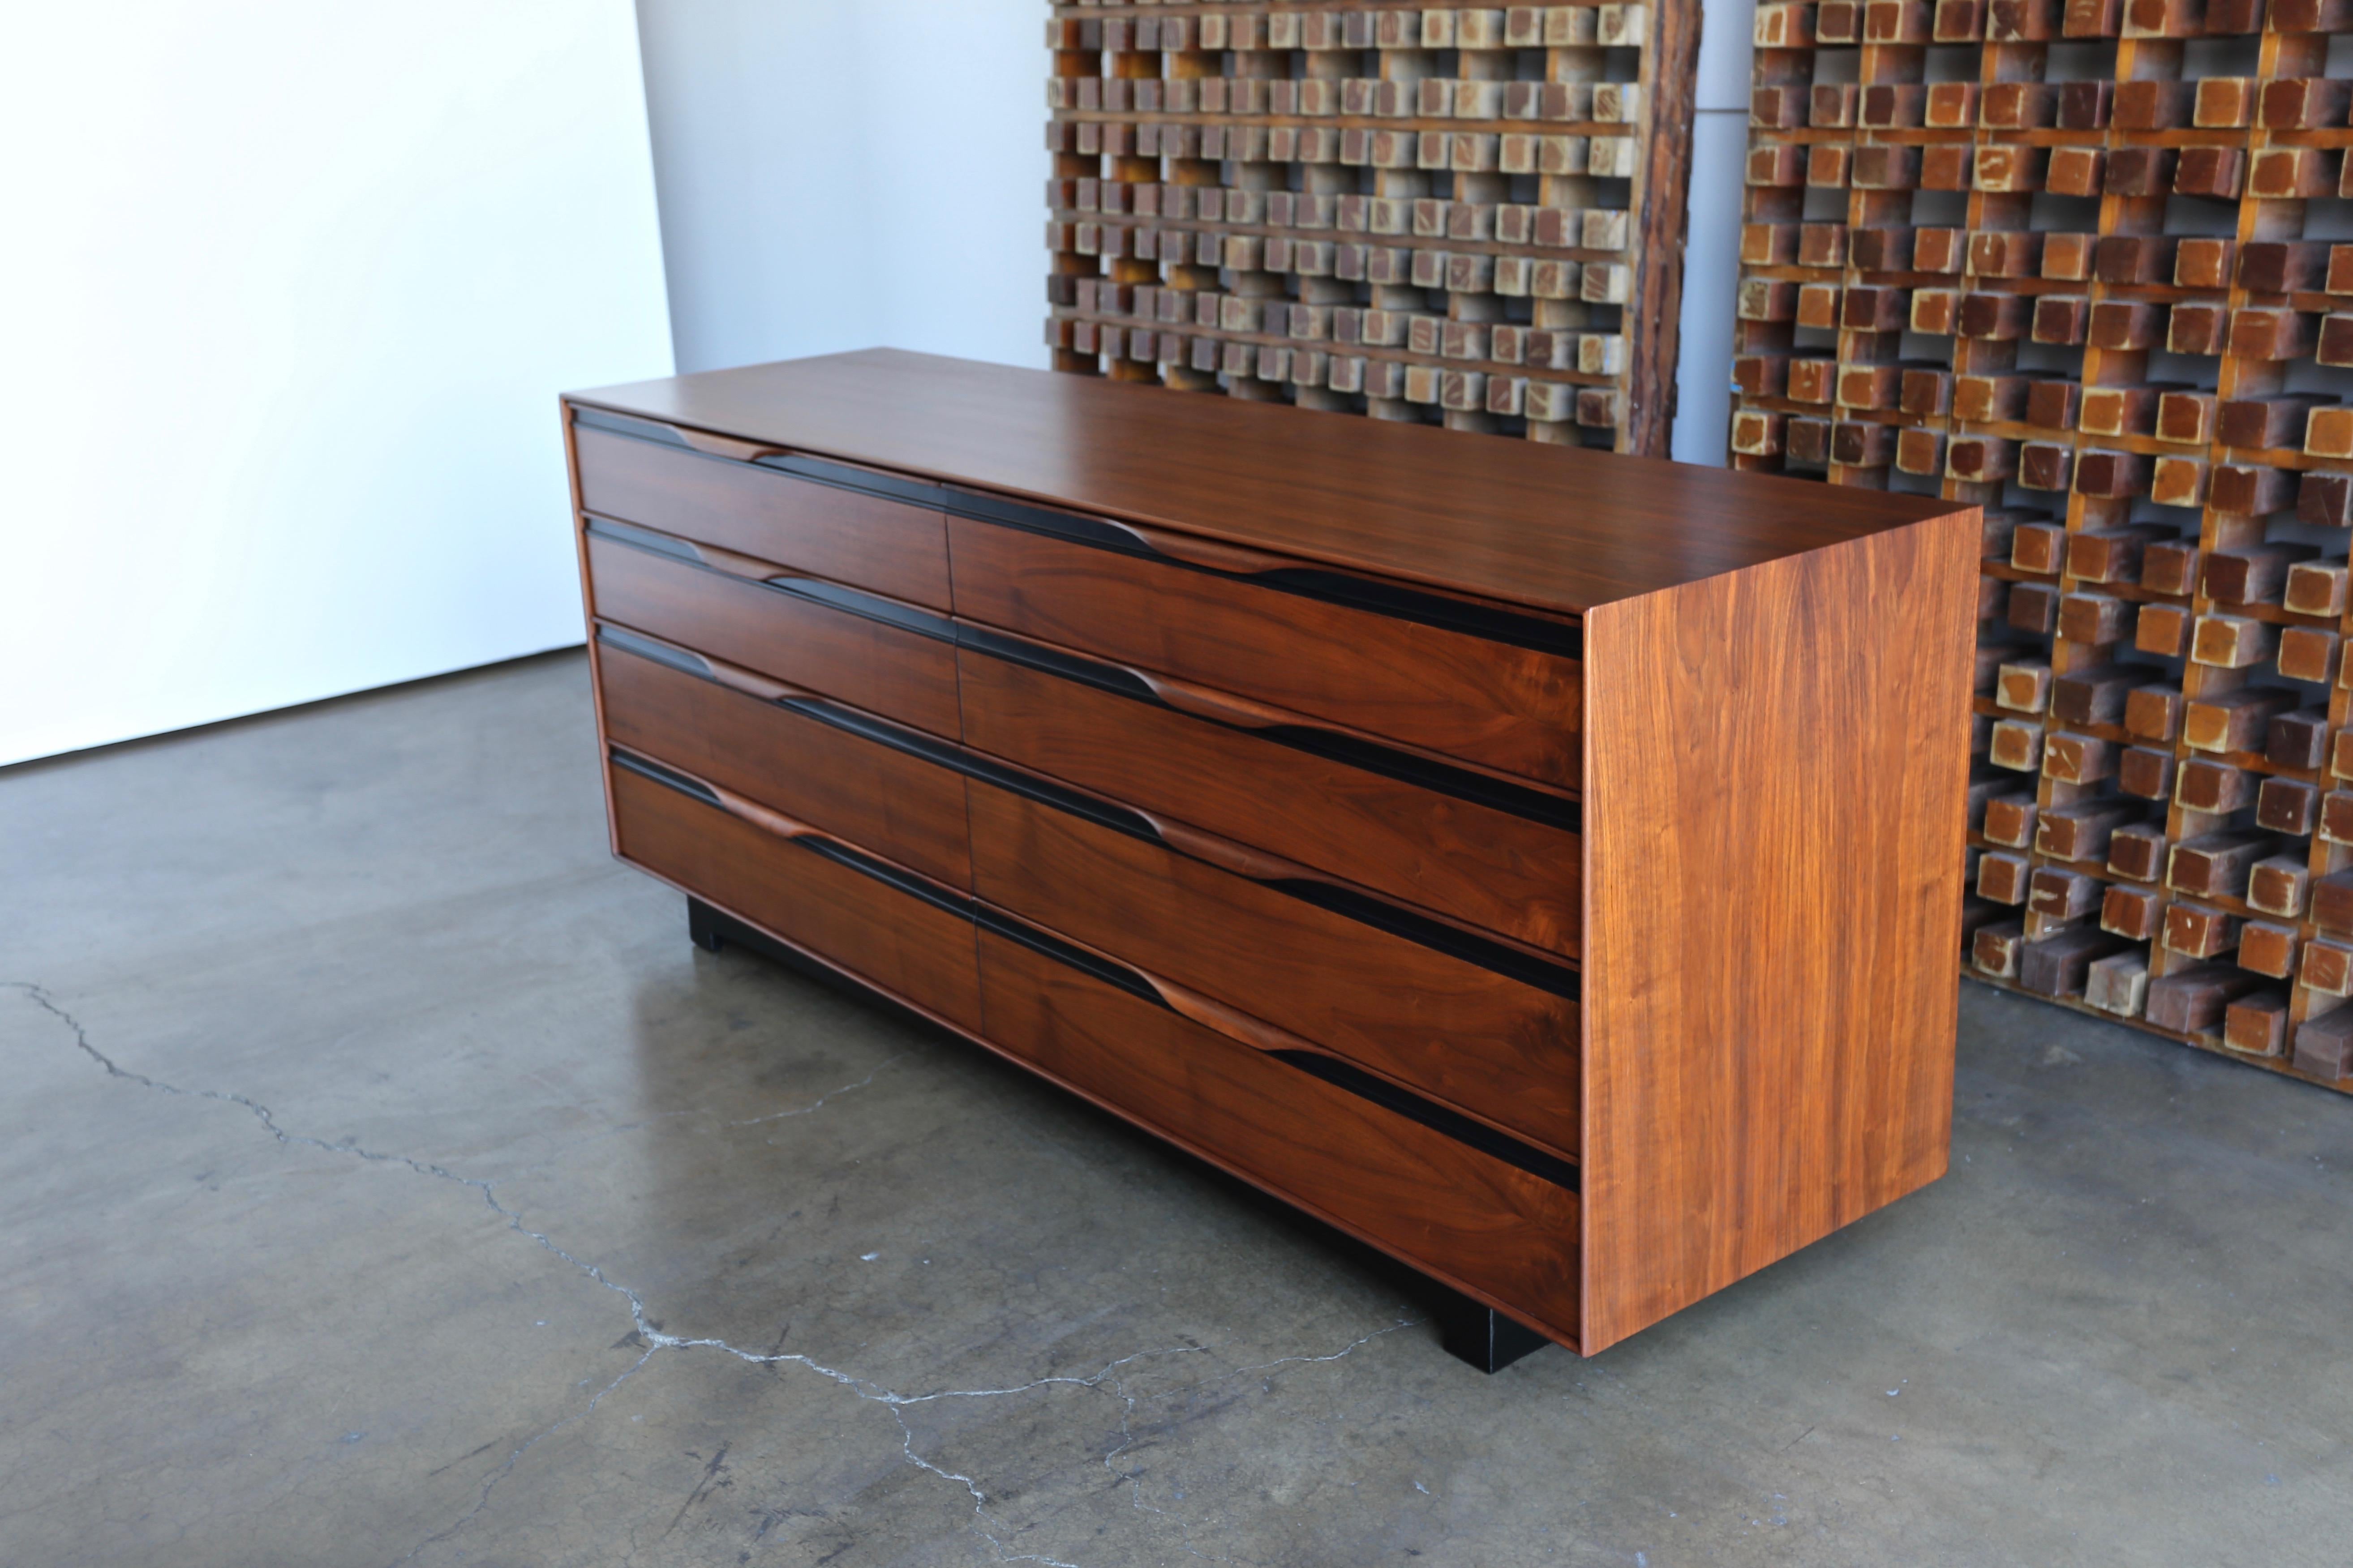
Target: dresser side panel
x=1776, y=767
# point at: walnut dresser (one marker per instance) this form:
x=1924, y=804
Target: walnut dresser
x=1543, y=865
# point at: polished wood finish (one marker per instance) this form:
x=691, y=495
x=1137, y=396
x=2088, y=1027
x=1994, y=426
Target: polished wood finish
x=1778, y=1058
x=1556, y=528
x=866, y=663
x=882, y=935
x=1505, y=1235
x=1498, y=1048
x=1513, y=709
x=723, y=729
x=1424, y=847
x=1470, y=861
x=867, y=540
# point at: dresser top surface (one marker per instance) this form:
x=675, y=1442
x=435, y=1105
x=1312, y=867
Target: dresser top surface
x=1558, y=528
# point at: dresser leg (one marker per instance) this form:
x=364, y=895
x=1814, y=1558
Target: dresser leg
x=1474, y=1332
x=703, y=925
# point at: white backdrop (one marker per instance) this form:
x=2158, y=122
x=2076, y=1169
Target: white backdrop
x=287, y=292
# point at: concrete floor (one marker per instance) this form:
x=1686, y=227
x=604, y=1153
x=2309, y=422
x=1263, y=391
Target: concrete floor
x=383, y=1179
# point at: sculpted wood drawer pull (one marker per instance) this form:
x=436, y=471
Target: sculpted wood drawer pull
x=752, y=682
x=710, y=445
x=1204, y=702
x=705, y=441
x=762, y=817
x=1563, y=636
x=1272, y=1040
x=1235, y=1025
x=1224, y=853
x=1208, y=552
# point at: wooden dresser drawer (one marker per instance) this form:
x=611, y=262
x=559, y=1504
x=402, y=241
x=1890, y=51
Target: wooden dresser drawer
x=1484, y=1224
x=888, y=927
x=844, y=773
x=1484, y=1027
x=1275, y=633
x=1495, y=854
x=872, y=653
x=1434, y=831
x=892, y=545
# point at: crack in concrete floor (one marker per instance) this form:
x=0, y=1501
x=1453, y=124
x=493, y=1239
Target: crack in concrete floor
x=819, y=1103
x=655, y=1339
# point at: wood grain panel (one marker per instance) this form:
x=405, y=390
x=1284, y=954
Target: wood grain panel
x=1473, y=862
x=900, y=807
x=1773, y=820
x=1513, y=709
x=1556, y=528
x=889, y=546
x=1658, y=260
x=1498, y=1048
x=886, y=937
x=868, y=664
x=1447, y=1209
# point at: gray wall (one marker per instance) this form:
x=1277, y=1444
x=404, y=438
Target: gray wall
x=1712, y=252
x=834, y=177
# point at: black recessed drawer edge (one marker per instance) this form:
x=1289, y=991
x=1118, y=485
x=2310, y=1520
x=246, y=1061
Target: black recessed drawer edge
x=815, y=590
x=1557, y=980
x=1405, y=767
x=840, y=476
x=1339, y=1074
x=1342, y=1075
x=840, y=853
x=1392, y=599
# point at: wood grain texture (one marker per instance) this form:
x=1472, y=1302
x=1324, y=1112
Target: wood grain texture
x=888, y=546
x=1776, y=783
x=1464, y=859
x=1328, y=166
x=1469, y=1219
x=868, y=664
x=885, y=937
x=1513, y=709
x=900, y=807
x=1556, y=528
x=1659, y=262
x=1497, y=1048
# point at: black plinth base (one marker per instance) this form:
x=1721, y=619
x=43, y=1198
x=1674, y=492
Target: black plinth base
x=712, y=929
x=1474, y=1332
x=1470, y=1331
x=709, y=930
